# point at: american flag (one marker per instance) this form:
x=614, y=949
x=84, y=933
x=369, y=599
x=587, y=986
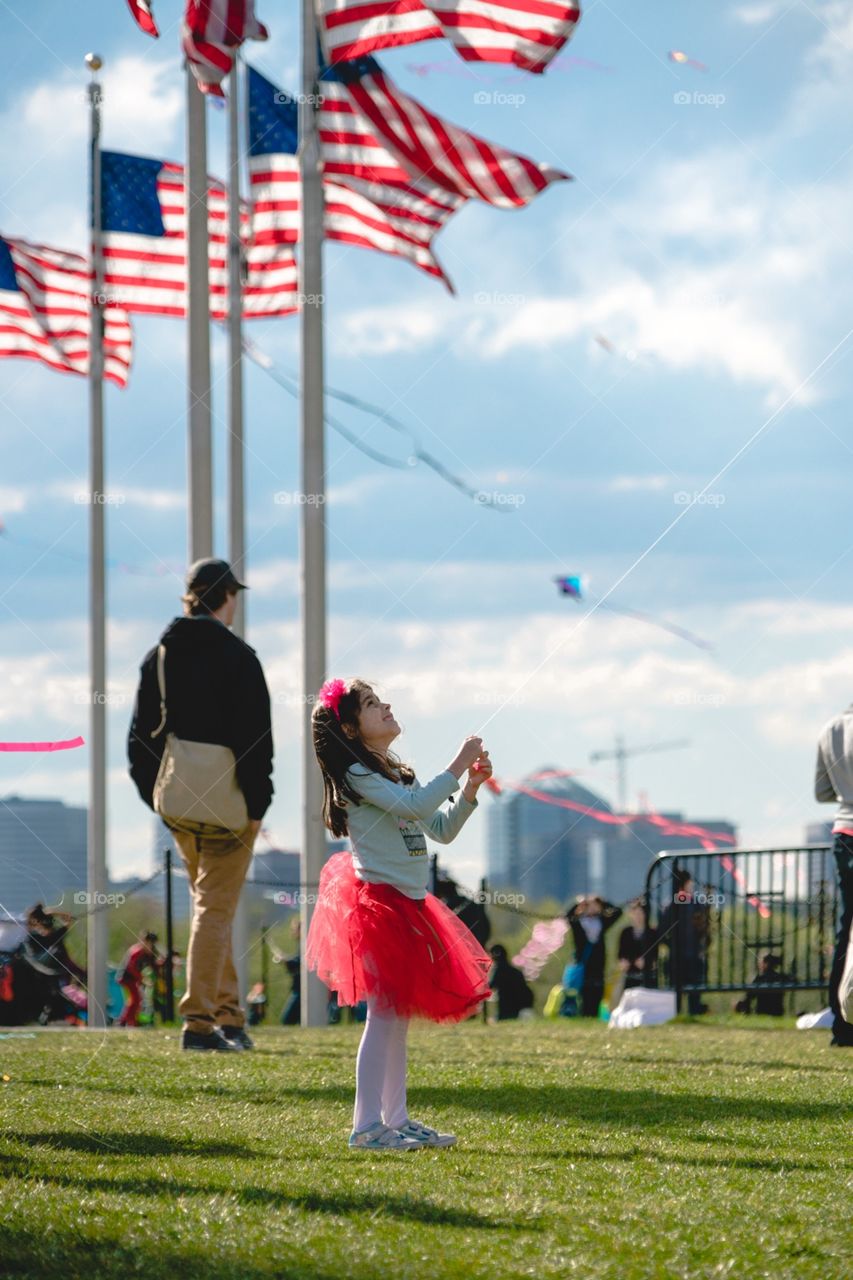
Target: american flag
x=369, y=199
x=144, y=244
x=212, y=30
x=143, y=15
x=210, y=33
x=527, y=33
x=44, y=311
x=431, y=149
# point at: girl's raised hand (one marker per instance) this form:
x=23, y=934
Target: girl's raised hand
x=480, y=772
x=481, y=769
x=470, y=750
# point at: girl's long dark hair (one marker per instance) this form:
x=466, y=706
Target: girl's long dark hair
x=336, y=753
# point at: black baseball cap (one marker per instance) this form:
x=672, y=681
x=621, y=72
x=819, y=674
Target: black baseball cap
x=210, y=572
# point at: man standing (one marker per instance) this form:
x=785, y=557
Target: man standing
x=215, y=693
x=834, y=784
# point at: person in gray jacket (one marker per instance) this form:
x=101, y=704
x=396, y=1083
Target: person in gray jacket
x=834, y=785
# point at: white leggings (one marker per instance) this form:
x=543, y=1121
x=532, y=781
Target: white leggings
x=380, y=1070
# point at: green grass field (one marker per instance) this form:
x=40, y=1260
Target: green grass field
x=712, y=1150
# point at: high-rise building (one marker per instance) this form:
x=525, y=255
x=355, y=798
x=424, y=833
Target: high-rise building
x=556, y=850
x=275, y=868
x=42, y=853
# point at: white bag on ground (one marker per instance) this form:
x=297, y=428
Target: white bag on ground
x=815, y=1021
x=643, y=1007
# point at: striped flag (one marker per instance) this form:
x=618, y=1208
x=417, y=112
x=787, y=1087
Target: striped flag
x=527, y=33
x=143, y=16
x=44, y=311
x=211, y=32
x=431, y=149
x=144, y=244
x=369, y=199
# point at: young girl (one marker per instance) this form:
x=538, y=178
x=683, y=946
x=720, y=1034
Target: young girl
x=376, y=933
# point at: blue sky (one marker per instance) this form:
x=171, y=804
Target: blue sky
x=705, y=239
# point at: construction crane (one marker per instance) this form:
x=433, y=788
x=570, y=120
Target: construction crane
x=621, y=753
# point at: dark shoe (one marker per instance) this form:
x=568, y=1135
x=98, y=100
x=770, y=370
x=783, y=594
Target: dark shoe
x=206, y=1041
x=840, y=1044
x=238, y=1037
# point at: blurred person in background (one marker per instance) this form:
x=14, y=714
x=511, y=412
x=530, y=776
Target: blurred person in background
x=684, y=927
x=509, y=985
x=638, y=948
x=142, y=955
x=834, y=785
x=589, y=919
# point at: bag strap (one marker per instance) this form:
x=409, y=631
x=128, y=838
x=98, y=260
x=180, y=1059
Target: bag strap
x=161, y=681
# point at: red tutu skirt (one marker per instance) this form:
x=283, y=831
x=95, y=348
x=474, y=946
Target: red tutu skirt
x=412, y=956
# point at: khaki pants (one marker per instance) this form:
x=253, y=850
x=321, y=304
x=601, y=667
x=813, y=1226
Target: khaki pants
x=216, y=870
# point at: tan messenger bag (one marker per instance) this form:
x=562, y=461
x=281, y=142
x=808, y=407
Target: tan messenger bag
x=196, y=790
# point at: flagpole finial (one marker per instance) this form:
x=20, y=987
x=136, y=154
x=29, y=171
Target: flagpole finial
x=94, y=62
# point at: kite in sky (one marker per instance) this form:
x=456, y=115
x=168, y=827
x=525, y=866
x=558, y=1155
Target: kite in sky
x=65, y=745
x=676, y=55
x=573, y=585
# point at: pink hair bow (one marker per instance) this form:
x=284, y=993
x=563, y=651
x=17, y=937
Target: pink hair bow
x=331, y=693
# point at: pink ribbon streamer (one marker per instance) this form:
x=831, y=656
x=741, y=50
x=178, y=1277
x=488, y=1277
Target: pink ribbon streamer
x=42, y=746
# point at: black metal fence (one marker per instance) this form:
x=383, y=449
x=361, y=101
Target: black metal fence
x=719, y=916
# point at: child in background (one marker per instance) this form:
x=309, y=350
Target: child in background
x=376, y=933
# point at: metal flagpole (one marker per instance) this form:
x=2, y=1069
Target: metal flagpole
x=236, y=491
x=313, y=542
x=96, y=855
x=199, y=445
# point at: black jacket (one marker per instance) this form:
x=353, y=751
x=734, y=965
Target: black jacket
x=510, y=986
x=634, y=948
x=595, y=954
x=215, y=692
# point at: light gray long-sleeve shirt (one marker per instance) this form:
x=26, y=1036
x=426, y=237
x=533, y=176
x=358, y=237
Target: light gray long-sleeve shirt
x=387, y=829
x=834, y=772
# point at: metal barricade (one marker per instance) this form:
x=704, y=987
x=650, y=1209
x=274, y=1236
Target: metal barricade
x=719, y=914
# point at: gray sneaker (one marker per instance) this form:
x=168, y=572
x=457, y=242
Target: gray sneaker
x=380, y=1138
x=211, y=1041
x=425, y=1136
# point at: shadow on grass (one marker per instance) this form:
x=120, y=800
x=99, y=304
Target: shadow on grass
x=770, y=1164
x=372, y=1203
x=28, y=1255
x=628, y=1108
x=96, y=1141
x=734, y=1063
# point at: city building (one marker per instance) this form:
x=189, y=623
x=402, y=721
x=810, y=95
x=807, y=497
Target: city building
x=42, y=853
x=556, y=850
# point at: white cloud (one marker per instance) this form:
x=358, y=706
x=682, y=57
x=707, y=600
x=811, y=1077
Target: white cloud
x=143, y=101
x=551, y=685
x=637, y=484
x=77, y=491
x=382, y=331
x=826, y=90
x=753, y=15
x=13, y=501
x=751, y=311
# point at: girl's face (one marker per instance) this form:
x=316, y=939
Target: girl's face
x=376, y=725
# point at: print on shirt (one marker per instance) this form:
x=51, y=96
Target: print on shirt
x=414, y=839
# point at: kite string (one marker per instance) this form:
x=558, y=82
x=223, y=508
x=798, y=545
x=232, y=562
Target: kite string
x=418, y=453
